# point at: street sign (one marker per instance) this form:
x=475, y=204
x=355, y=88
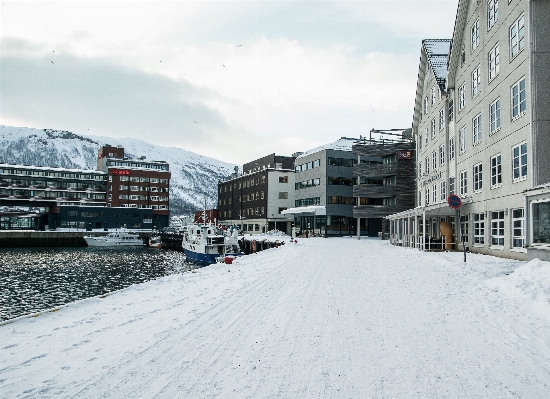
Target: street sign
x=454, y=201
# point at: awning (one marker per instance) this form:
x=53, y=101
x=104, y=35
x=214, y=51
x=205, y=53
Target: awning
x=311, y=210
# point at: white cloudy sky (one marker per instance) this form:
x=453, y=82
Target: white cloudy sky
x=232, y=80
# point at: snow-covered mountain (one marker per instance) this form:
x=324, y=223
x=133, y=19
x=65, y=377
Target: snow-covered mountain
x=194, y=177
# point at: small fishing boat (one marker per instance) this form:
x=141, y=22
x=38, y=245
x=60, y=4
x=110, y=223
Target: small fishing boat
x=155, y=242
x=204, y=243
x=115, y=239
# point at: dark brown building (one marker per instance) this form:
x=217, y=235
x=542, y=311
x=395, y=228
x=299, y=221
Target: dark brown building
x=385, y=181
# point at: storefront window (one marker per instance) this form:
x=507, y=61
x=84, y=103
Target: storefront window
x=541, y=223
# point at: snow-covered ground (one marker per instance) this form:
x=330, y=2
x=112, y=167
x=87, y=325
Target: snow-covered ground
x=324, y=318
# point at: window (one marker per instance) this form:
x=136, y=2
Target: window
x=464, y=226
x=476, y=81
x=476, y=129
x=496, y=171
x=519, y=99
x=497, y=228
x=420, y=198
x=462, y=55
x=433, y=95
x=494, y=62
x=451, y=110
x=283, y=179
x=492, y=13
x=494, y=116
x=427, y=165
x=541, y=222
x=479, y=228
x=433, y=127
x=427, y=196
x=518, y=230
x=420, y=142
x=462, y=96
x=427, y=136
x=441, y=118
x=420, y=169
x=442, y=191
x=426, y=105
x=262, y=193
x=283, y=195
x=434, y=160
x=442, y=154
x=517, y=37
x=462, y=139
x=519, y=162
x=463, y=183
x=451, y=185
x=451, y=148
x=434, y=193
x=478, y=177
x=475, y=34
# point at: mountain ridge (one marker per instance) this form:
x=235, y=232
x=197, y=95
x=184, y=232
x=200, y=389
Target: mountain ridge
x=194, y=177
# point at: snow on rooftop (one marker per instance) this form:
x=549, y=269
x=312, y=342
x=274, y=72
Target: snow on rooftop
x=437, y=51
x=50, y=169
x=342, y=144
x=323, y=318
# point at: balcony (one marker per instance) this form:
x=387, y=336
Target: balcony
x=375, y=170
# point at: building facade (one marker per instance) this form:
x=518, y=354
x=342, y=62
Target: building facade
x=324, y=201
x=383, y=177
x=497, y=134
x=254, y=200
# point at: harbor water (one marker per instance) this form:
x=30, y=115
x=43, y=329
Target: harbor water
x=37, y=279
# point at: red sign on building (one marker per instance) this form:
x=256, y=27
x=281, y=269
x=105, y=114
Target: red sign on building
x=119, y=172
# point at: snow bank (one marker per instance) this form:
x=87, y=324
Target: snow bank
x=529, y=283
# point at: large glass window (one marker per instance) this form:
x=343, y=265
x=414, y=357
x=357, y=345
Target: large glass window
x=519, y=162
x=541, y=222
x=497, y=228
x=479, y=228
x=518, y=229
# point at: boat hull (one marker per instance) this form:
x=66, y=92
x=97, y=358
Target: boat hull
x=200, y=258
x=96, y=242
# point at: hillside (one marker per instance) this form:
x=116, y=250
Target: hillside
x=194, y=177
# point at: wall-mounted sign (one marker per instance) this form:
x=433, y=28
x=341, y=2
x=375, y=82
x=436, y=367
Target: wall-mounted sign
x=404, y=154
x=120, y=172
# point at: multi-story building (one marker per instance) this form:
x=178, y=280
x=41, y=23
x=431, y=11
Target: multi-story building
x=498, y=140
x=136, y=183
x=76, y=198
x=255, y=199
x=383, y=175
x=324, y=190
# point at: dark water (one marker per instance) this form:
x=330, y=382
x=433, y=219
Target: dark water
x=37, y=279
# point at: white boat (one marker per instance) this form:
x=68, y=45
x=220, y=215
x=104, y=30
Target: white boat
x=204, y=243
x=115, y=239
x=155, y=242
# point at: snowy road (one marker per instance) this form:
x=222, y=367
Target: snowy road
x=327, y=318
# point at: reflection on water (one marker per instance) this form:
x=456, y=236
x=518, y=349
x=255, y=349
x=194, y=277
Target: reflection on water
x=37, y=279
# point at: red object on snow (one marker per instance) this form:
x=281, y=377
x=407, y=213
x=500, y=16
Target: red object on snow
x=228, y=260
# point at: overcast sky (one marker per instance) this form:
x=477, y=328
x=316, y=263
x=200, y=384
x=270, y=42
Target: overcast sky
x=231, y=80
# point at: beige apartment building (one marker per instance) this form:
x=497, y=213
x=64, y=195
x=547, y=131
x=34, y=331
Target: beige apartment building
x=482, y=127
